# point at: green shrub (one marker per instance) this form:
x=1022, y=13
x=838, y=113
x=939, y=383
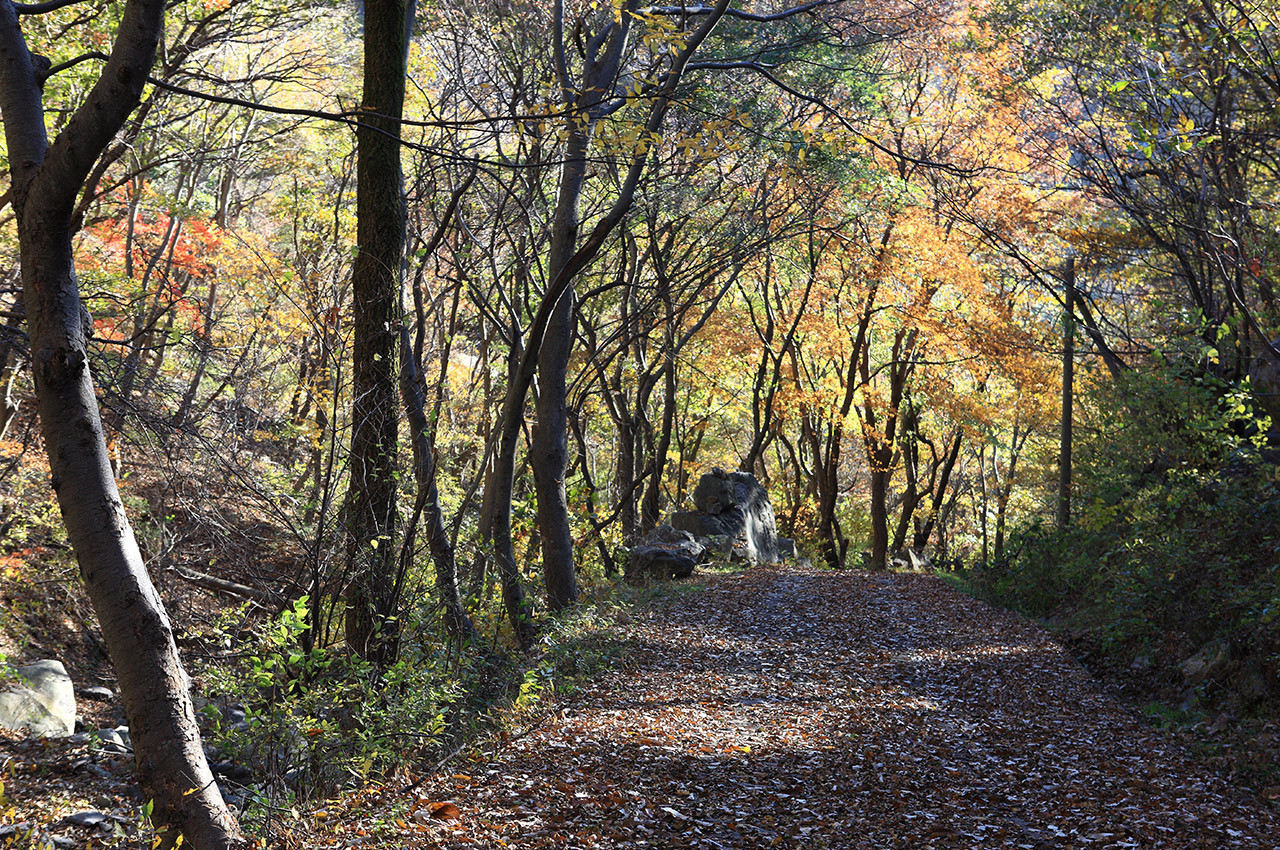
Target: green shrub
x=1176, y=531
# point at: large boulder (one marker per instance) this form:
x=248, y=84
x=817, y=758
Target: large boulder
x=735, y=506
x=910, y=559
x=716, y=492
x=664, y=554
x=42, y=700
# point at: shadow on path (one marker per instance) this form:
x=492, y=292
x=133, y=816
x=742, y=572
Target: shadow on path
x=795, y=708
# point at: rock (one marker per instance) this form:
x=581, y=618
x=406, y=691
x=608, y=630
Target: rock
x=1206, y=663
x=715, y=492
x=43, y=700
x=96, y=694
x=786, y=549
x=231, y=772
x=665, y=535
x=89, y=818
x=721, y=543
x=665, y=553
x=659, y=562
x=910, y=559
x=117, y=740
x=745, y=517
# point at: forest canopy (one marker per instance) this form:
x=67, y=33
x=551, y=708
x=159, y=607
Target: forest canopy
x=410, y=320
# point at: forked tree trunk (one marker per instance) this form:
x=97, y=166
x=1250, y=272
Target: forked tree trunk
x=46, y=178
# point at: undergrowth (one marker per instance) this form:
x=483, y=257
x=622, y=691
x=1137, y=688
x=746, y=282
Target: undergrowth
x=1169, y=574
x=1173, y=547
x=298, y=726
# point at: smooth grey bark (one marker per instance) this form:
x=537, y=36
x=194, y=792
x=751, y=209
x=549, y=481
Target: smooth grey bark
x=46, y=179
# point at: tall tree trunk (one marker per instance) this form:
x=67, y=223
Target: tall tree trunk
x=924, y=529
x=652, y=508
x=46, y=178
x=372, y=592
x=1068, y=377
x=551, y=315
x=413, y=390
x=549, y=453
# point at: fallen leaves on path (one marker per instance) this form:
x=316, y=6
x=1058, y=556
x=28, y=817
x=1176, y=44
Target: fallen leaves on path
x=794, y=708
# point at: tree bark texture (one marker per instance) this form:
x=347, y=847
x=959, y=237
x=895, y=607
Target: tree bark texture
x=46, y=179
x=549, y=452
x=372, y=594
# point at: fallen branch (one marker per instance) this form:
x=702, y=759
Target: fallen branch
x=230, y=588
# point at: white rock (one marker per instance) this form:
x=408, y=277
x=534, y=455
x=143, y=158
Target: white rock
x=43, y=700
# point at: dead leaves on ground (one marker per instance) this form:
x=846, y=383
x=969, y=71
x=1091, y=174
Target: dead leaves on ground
x=807, y=709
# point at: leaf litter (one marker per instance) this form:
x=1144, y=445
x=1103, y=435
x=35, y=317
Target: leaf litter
x=798, y=708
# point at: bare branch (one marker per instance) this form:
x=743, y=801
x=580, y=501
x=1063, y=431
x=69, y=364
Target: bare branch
x=71, y=63
x=42, y=8
x=689, y=11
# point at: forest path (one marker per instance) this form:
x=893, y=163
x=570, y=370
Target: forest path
x=785, y=707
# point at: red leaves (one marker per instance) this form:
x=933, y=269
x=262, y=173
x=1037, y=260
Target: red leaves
x=444, y=811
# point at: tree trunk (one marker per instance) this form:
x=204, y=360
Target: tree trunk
x=372, y=592
x=413, y=390
x=652, y=509
x=925, y=529
x=550, y=313
x=1068, y=373
x=549, y=453
x=172, y=769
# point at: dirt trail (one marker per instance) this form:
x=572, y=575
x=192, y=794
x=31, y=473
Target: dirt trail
x=807, y=709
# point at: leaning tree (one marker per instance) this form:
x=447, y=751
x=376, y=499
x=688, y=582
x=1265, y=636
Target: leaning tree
x=46, y=181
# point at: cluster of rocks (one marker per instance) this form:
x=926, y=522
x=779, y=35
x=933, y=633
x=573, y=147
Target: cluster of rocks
x=732, y=517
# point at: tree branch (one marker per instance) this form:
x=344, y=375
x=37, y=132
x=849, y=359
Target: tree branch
x=690, y=11
x=42, y=8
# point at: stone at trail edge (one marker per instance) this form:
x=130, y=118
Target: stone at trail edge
x=664, y=554
x=715, y=492
x=43, y=700
x=96, y=694
x=735, y=505
x=117, y=740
